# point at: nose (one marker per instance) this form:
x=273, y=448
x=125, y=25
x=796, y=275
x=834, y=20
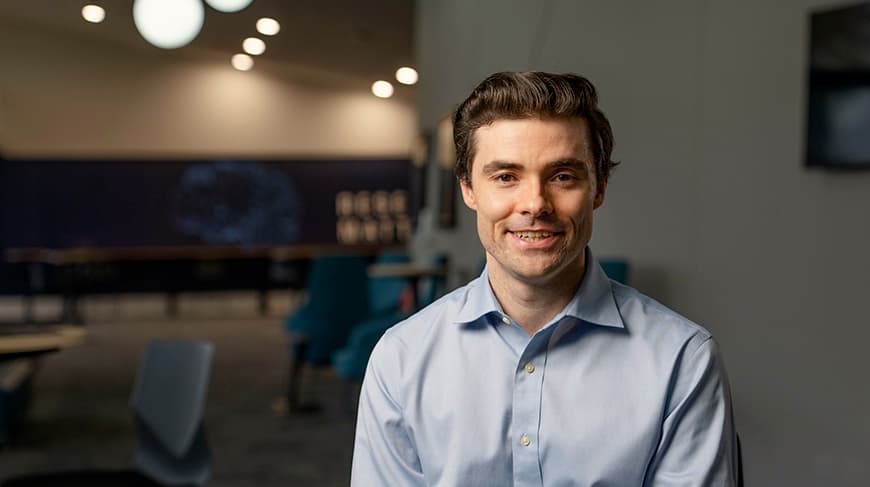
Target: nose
x=534, y=199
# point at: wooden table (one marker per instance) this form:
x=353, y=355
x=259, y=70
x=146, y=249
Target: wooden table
x=20, y=350
x=74, y=264
x=20, y=341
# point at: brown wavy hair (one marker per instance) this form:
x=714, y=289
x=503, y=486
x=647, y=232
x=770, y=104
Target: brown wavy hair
x=533, y=94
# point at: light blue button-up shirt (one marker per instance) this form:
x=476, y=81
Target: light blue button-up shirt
x=616, y=390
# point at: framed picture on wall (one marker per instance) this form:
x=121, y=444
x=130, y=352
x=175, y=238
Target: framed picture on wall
x=838, y=106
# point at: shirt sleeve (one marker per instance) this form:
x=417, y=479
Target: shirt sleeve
x=698, y=444
x=384, y=451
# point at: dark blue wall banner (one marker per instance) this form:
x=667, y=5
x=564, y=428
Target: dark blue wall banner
x=110, y=203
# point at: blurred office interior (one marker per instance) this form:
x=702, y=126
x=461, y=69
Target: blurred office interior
x=721, y=207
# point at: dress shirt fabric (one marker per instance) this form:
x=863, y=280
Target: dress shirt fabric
x=617, y=390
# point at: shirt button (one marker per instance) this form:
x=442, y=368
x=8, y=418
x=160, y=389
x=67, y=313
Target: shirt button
x=506, y=319
x=525, y=441
x=529, y=367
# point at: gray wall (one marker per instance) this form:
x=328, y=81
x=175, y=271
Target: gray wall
x=712, y=205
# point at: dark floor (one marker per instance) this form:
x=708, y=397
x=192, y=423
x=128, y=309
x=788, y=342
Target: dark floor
x=80, y=416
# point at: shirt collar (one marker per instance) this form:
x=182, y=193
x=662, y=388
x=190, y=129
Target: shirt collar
x=593, y=302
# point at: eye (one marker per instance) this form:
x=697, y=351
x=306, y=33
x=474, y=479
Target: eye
x=504, y=177
x=564, y=177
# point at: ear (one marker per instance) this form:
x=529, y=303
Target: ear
x=600, y=189
x=468, y=194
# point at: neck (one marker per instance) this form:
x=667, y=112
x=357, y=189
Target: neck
x=532, y=304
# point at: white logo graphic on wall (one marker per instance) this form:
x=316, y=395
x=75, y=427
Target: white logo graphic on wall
x=372, y=217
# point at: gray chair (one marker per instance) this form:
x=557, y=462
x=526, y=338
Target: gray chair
x=168, y=401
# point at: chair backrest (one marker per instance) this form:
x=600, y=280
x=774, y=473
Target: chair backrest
x=337, y=299
x=434, y=285
x=168, y=401
x=385, y=293
x=616, y=269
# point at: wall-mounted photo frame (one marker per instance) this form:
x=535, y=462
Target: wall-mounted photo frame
x=838, y=102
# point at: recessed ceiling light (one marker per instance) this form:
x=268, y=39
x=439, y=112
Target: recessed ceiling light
x=268, y=26
x=93, y=13
x=382, y=89
x=242, y=62
x=168, y=24
x=228, y=5
x=406, y=75
x=254, y=46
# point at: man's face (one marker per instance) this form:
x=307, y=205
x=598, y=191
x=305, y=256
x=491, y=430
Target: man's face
x=533, y=187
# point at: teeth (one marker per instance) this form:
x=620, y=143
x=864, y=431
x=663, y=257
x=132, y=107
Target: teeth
x=533, y=236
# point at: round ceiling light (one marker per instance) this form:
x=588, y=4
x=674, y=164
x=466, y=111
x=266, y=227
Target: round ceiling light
x=254, y=46
x=228, y=5
x=93, y=13
x=382, y=89
x=242, y=62
x=407, y=76
x=168, y=24
x=268, y=26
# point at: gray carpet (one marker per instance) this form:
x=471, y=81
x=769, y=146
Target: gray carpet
x=80, y=418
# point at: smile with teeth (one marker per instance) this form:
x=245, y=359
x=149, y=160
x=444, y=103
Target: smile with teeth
x=533, y=236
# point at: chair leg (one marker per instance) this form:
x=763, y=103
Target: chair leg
x=297, y=362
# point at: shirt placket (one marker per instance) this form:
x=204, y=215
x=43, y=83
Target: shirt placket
x=526, y=414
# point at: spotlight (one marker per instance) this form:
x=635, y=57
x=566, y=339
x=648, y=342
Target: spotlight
x=228, y=5
x=382, y=89
x=242, y=62
x=268, y=26
x=254, y=46
x=168, y=24
x=93, y=13
x=407, y=76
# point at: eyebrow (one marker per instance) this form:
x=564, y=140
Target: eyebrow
x=495, y=166
x=570, y=163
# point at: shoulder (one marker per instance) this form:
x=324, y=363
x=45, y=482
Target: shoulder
x=430, y=321
x=402, y=351
x=421, y=331
x=651, y=320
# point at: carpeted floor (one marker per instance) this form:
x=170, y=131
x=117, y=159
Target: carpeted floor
x=80, y=418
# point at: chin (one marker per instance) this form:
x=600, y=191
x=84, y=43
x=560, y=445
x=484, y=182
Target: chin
x=544, y=272
x=537, y=274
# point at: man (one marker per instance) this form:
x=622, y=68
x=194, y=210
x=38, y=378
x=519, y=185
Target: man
x=542, y=371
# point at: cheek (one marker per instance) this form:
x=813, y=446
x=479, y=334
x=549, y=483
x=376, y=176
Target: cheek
x=580, y=211
x=493, y=210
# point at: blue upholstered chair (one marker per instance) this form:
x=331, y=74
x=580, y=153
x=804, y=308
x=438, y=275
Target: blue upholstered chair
x=385, y=298
x=350, y=362
x=386, y=293
x=338, y=297
x=616, y=269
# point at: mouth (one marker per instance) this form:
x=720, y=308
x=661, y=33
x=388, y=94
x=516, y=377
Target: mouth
x=532, y=236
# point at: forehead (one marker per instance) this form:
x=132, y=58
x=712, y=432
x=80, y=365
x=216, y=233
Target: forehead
x=532, y=139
